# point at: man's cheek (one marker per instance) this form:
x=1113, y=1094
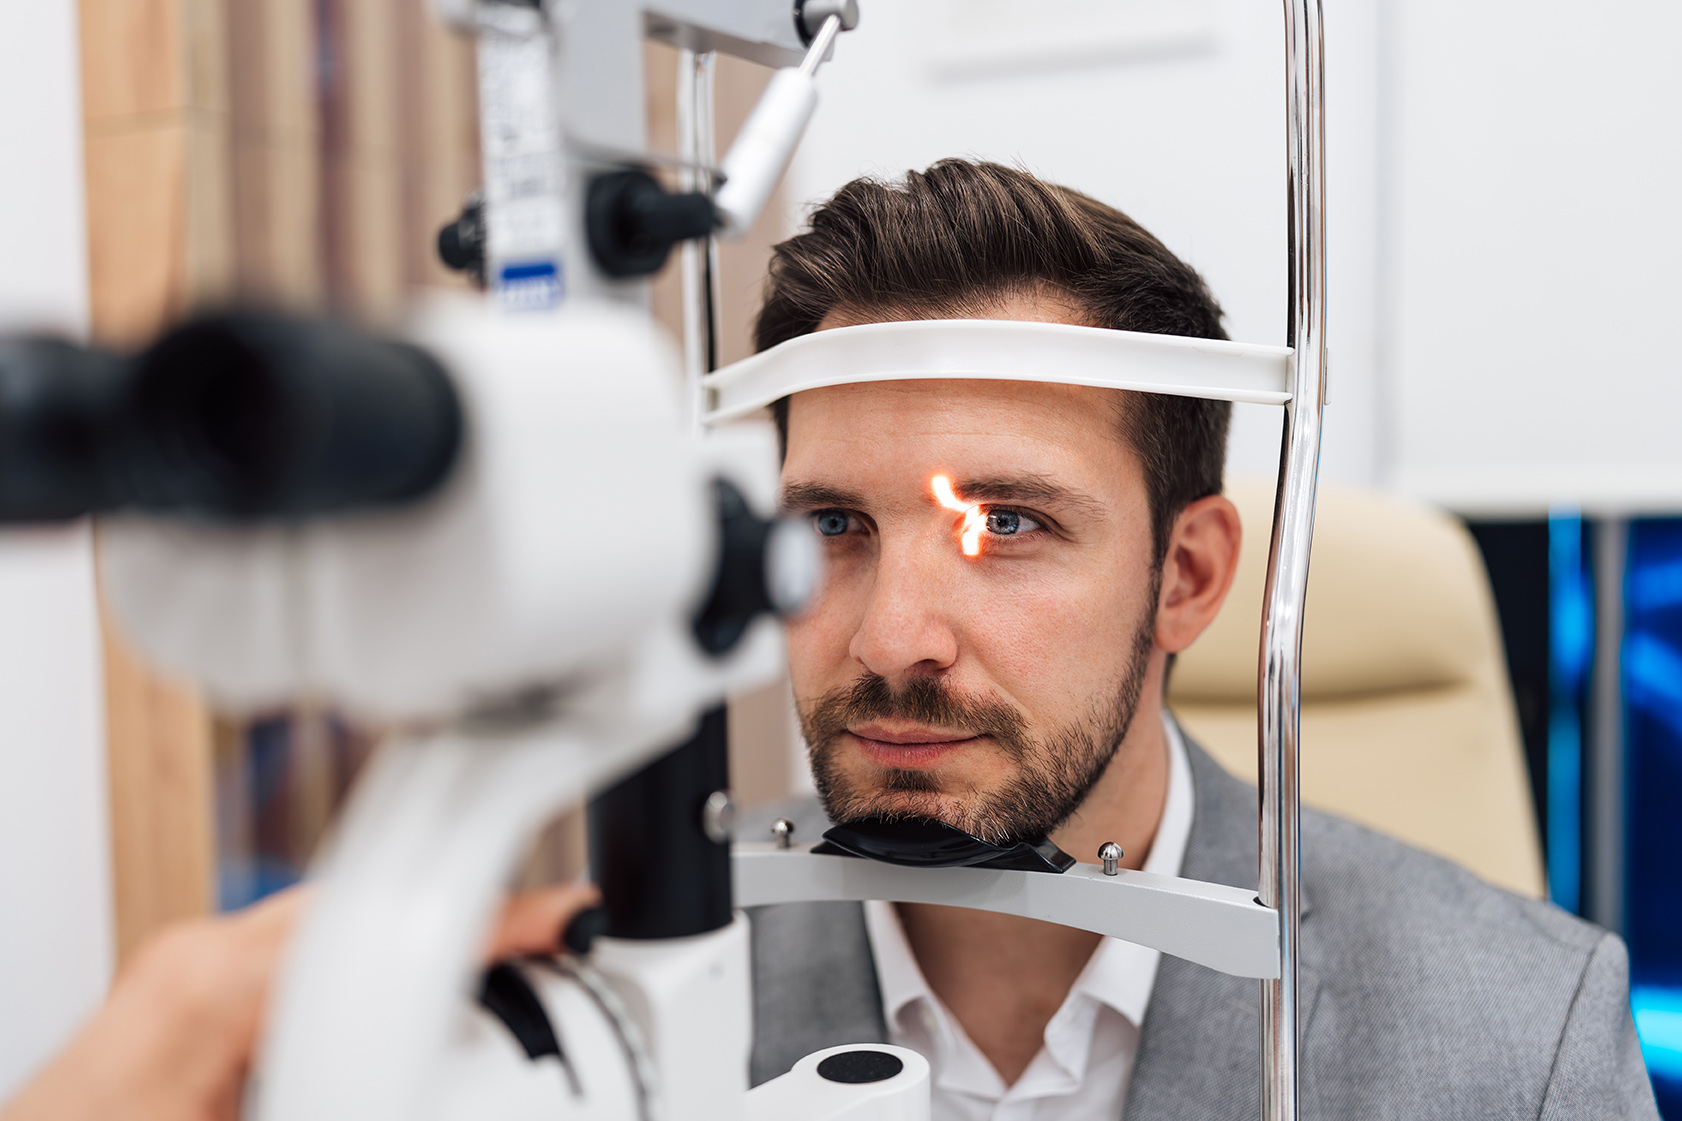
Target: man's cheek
x=1049, y=641
x=1017, y=645
x=818, y=641
x=801, y=660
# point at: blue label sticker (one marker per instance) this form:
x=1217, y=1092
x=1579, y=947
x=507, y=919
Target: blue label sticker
x=530, y=286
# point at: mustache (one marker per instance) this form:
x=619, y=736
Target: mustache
x=923, y=700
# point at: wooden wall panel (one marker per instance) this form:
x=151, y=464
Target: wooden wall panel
x=276, y=152
x=360, y=145
x=399, y=149
x=155, y=106
x=439, y=157
x=155, y=111
x=162, y=839
x=136, y=229
x=132, y=58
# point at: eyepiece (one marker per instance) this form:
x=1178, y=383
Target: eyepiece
x=252, y=415
x=240, y=416
x=60, y=407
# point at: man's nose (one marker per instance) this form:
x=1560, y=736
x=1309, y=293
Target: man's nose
x=906, y=627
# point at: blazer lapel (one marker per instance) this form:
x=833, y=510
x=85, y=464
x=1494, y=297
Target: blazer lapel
x=1200, y=1045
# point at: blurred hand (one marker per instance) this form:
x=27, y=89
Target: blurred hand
x=175, y=1038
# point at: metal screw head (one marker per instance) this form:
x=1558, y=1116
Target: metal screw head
x=718, y=817
x=1110, y=853
x=783, y=830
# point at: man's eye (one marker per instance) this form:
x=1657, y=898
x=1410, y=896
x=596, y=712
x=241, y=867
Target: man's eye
x=1006, y=523
x=832, y=523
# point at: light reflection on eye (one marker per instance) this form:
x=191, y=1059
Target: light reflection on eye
x=974, y=520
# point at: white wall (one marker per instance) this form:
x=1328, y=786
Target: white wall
x=1504, y=237
x=1173, y=112
x=55, y=892
x=1535, y=253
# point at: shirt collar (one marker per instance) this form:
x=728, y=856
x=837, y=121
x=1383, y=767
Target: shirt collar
x=1119, y=974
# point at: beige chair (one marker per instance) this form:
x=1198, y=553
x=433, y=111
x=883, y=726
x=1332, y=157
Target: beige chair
x=1408, y=724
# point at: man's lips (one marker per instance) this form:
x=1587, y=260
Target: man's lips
x=908, y=748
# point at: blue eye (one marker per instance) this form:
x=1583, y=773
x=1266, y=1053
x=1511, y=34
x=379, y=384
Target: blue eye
x=1005, y=523
x=831, y=523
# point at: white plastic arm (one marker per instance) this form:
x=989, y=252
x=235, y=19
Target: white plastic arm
x=767, y=141
x=1215, y=925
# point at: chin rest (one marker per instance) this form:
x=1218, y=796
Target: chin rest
x=925, y=843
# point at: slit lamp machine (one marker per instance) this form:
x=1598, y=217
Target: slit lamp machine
x=449, y=534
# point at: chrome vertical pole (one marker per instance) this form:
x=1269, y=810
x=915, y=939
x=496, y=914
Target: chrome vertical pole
x=697, y=145
x=1279, y=685
x=1605, y=864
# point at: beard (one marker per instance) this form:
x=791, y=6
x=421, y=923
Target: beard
x=1054, y=771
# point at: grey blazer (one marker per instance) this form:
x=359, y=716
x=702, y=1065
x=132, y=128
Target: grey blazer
x=1425, y=993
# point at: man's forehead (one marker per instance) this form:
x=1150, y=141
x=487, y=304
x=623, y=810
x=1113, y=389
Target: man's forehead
x=997, y=441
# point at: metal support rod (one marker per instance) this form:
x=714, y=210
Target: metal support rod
x=1279, y=686
x=697, y=144
x=1605, y=864
x=821, y=44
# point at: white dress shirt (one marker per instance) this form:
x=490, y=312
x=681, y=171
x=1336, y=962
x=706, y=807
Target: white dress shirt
x=1082, y=1069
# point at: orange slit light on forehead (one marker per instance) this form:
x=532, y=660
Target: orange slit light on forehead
x=974, y=520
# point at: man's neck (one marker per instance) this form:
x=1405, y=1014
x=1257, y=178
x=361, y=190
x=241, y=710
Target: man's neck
x=1004, y=977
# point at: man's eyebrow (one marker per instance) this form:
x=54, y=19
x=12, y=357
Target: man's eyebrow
x=816, y=496
x=1034, y=490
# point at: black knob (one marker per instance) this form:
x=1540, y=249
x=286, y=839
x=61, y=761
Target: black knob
x=461, y=243
x=632, y=222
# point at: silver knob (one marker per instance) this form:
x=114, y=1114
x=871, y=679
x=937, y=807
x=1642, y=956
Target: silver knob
x=1110, y=853
x=718, y=817
x=783, y=830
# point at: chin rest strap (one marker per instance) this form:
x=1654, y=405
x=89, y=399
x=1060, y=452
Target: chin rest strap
x=924, y=843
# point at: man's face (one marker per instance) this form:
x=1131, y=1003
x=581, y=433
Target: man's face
x=988, y=691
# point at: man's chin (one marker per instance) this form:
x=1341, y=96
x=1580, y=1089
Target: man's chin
x=926, y=805
x=904, y=810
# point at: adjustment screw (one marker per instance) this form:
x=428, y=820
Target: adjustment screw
x=1110, y=853
x=783, y=830
x=718, y=817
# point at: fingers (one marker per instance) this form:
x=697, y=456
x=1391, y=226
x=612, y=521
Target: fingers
x=532, y=923
x=175, y=1037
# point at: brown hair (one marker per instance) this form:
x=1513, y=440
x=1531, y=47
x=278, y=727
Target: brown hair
x=948, y=241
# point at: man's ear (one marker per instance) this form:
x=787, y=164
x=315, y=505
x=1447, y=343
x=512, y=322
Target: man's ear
x=1197, y=571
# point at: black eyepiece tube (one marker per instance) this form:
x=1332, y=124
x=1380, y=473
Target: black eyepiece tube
x=237, y=416
x=60, y=410
x=252, y=415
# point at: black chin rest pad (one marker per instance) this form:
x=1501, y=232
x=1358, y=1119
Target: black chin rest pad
x=925, y=843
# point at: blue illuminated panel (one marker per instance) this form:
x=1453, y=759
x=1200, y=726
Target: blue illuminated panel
x=1652, y=687
x=1570, y=653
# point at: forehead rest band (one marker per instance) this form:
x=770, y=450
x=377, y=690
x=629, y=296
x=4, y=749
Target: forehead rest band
x=1002, y=350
